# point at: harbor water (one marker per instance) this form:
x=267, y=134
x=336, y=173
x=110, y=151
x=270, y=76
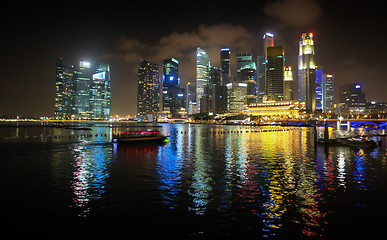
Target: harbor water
x=206, y=182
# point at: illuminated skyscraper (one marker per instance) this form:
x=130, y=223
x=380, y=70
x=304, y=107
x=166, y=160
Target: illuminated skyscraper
x=288, y=83
x=225, y=66
x=307, y=72
x=275, y=73
x=173, y=96
x=64, y=94
x=203, y=66
x=191, y=98
x=328, y=93
x=148, y=91
x=319, y=88
x=244, y=60
x=100, y=92
x=352, y=100
x=236, y=97
x=82, y=89
x=268, y=41
x=248, y=76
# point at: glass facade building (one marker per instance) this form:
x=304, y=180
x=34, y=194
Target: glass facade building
x=319, y=88
x=244, y=60
x=203, y=66
x=173, y=96
x=148, y=91
x=82, y=89
x=225, y=66
x=307, y=72
x=275, y=73
x=352, y=100
x=100, y=92
x=288, y=83
x=328, y=93
x=64, y=90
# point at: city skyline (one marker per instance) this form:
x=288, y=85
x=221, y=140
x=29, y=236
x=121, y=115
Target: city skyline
x=28, y=81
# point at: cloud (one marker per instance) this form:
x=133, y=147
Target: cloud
x=295, y=13
x=180, y=45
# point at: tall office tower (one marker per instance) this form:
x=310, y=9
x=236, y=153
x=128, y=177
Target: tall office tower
x=64, y=94
x=172, y=96
x=203, y=66
x=148, y=91
x=275, y=73
x=268, y=41
x=191, y=98
x=217, y=93
x=319, y=88
x=288, y=83
x=261, y=81
x=82, y=76
x=307, y=72
x=244, y=60
x=225, y=65
x=352, y=100
x=236, y=97
x=248, y=76
x=100, y=92
x=328, y=93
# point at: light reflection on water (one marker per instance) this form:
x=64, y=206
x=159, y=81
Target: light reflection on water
x=217, y=181
x=91, y=165
x=272, y=174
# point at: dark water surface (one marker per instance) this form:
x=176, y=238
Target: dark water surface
x=208, y=182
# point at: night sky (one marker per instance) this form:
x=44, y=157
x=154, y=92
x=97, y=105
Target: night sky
x=349, y=36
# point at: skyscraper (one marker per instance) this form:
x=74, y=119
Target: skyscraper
x=268, y=41
x=64, y=94
x=236, y=97
x=172, y=94
x=352, y=100
x=203, y=66
x=244, y=60
x=225, y=66
x=82, y=89
x=148, y=91
x=319, y=88
x=288, y=83
x=328, y=93
x=100, y=92
x=191, y=98
x=275, y=73
x=248, y=76
x=261, y=81
x=307, y=72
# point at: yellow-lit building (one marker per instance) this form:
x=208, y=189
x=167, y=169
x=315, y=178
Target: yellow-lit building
x=281, y=109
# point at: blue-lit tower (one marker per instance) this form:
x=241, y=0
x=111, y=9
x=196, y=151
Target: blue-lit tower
x=319, y=88
x=173, y=96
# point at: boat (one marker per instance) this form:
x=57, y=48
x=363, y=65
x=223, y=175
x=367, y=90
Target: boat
x=357, y=142
x=140, y=135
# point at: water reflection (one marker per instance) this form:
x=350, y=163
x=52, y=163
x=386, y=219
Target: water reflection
x=359, y=170
x=271, y=175
x=91, y=170
x=208, y=181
